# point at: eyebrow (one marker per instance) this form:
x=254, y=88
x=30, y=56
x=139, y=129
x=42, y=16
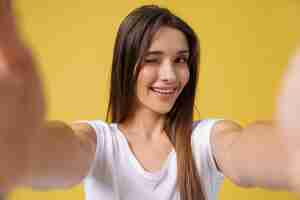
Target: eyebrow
x=161, y=52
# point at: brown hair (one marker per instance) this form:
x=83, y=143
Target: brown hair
x=133, y=40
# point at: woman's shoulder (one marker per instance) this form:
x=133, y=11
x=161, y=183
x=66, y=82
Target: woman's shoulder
x=221, y=123
x=94, y=122
x=201, y=123
x=212, y=125
x=98, y=125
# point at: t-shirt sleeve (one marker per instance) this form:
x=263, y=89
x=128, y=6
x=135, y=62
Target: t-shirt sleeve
x=99, y=128
x=201, y=144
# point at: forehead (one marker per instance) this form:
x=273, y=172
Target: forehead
x=169, y=40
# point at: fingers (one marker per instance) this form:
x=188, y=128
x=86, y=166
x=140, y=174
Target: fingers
x=6, y=10
x=295, y=61
x=289, y=99
x=7, y=22
x=288, y=115
x=15, y=57
x=5, y=7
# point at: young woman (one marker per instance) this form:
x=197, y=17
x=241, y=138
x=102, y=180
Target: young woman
x=150, y=147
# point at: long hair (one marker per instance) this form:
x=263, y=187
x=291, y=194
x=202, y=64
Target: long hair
x=134, y=38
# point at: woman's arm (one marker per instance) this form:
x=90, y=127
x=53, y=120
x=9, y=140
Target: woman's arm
x=60, y=156
x=57, y=157
x=253, y=156
x=34, y=152
x=265, y=153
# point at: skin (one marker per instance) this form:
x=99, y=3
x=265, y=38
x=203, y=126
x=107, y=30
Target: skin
x=29, y=146
x=288, y=115
x=165, y=66
x=27, y=149
x=22, y=99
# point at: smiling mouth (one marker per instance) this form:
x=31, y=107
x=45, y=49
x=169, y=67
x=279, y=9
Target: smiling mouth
x=164, y=91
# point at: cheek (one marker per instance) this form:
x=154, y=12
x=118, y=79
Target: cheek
x=145, y=78
x=184, y=76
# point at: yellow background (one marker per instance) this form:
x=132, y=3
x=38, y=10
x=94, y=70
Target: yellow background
x=245, y=48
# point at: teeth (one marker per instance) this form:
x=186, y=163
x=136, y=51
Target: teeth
x=164, y=91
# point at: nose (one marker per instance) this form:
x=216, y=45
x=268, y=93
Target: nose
x=168, y=72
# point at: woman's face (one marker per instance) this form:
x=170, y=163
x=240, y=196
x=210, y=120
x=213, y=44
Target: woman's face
x=164, y=71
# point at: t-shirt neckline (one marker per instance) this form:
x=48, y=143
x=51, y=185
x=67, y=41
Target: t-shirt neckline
x=136, y=164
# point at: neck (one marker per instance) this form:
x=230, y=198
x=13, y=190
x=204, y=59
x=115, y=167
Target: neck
x=145, y=123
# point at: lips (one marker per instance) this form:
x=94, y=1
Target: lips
x=164, y=90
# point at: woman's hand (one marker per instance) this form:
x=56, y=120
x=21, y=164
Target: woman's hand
x=22, y=104
x=288, y=115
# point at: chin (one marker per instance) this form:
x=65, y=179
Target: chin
x=163, y=111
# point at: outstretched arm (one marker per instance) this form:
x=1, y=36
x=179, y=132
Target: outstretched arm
x=34, y=152
x=265, y=153
x=253, y=156
x=22, y=101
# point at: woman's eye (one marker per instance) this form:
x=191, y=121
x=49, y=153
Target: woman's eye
x=181, y=60
x=151, y=60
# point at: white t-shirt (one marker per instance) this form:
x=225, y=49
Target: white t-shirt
x=116, y=174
